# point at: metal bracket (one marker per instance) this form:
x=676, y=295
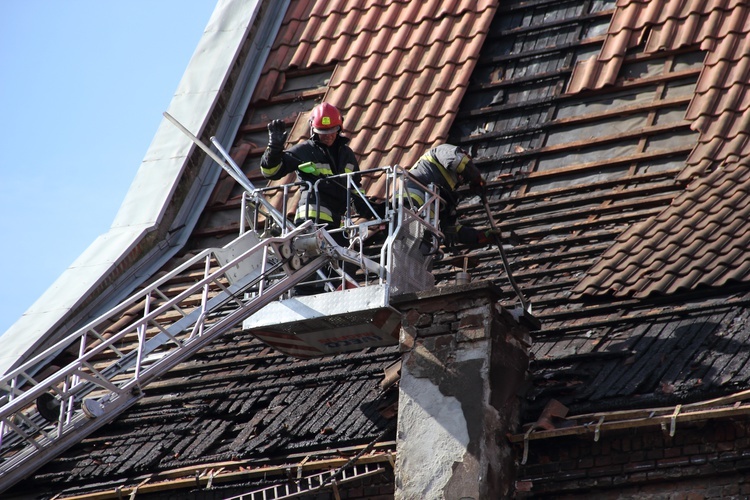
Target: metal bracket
x=673, y=420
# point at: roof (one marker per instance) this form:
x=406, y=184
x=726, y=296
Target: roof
x=629, y=233
x=400, y=68
x=611, y=136
x=238, y=401
x=701, y=239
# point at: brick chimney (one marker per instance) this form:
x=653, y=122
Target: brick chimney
x=464, y=365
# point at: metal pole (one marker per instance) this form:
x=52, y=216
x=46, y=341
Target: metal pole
x=239, y=174
x=499, y=244
x=231, y=168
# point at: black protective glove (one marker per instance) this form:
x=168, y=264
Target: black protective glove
x=474, y=178
x=477, y=188
x=488, y=236
x=276, y=134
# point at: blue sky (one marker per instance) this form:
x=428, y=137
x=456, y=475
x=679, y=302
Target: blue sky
x=83, y=84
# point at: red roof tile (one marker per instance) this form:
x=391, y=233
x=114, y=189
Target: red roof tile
x=410, y=54
x=722, y=27
x=702, y=239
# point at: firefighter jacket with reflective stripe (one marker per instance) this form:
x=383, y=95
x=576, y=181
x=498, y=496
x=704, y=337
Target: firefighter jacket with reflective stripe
x=441, y=166
x=338, y=159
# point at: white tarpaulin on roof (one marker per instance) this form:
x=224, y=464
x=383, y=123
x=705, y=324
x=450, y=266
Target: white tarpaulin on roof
x=153, y=187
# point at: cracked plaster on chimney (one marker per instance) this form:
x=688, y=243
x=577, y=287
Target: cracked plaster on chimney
x=436, y=448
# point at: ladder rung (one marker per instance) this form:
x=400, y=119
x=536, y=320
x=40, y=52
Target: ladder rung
x=311, y=483
x=172, y=330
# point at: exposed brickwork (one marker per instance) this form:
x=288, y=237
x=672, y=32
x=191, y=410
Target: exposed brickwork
x=459, y=310
x=701, y=461
x=471, y=355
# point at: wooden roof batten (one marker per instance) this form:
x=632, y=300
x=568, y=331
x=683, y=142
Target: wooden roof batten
x=664, y=417
x=218, y=473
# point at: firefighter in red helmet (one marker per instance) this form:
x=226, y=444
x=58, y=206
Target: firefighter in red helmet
x=326, y=153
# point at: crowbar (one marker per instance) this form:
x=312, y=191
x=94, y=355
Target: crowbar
x=499, y=244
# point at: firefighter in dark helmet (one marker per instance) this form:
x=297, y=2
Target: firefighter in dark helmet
x=449, y=167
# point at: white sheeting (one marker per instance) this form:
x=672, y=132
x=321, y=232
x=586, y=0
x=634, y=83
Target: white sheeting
x=151, y=192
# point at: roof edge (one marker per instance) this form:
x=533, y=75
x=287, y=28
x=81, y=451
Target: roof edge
x=165, y=200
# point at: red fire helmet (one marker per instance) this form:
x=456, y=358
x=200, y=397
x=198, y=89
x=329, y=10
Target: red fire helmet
x=325, y=119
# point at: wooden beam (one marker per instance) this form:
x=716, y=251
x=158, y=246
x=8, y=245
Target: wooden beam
x=225, y=472
x=596, y=425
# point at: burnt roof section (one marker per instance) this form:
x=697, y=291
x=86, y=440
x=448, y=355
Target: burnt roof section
x=236, y=401
x=581, y=181
x=585, y=184
x=597, y=188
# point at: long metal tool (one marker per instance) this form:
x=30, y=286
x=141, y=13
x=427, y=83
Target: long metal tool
x=236, y=173
x=499, y=244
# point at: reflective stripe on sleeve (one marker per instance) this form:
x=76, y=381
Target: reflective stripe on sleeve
x=322, y=214
x=461, y=166
x=319, y=169
x=448, y=176
x=269, y=171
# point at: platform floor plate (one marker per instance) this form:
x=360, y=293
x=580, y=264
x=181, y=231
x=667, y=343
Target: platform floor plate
x=327, y=323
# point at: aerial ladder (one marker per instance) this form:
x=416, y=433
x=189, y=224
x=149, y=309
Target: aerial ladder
x=45, y=409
